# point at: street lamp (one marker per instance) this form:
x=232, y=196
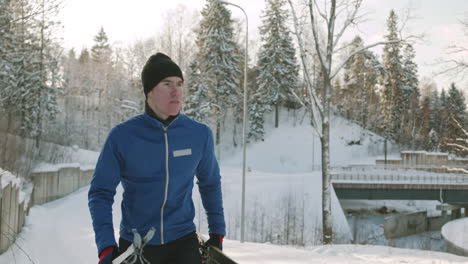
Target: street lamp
x=244, y=117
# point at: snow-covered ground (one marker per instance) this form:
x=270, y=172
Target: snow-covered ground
x=60, y=232
x=283, y=195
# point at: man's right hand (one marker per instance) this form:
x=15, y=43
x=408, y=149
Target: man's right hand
x=107, y=255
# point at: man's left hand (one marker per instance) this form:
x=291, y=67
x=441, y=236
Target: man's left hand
x=215, y=241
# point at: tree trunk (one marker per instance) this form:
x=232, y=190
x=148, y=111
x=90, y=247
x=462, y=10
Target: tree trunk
x=326, y=181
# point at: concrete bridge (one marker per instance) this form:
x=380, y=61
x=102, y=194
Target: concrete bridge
x=398, y=183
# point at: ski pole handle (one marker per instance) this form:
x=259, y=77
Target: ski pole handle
x=124, y=255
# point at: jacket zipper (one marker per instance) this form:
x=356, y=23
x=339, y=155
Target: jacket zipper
x=167, y=185
x=166, y=188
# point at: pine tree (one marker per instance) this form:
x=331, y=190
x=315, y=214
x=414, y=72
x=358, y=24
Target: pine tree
x=257, y=109
x=101, y=51
x=456, y=113
x=424, y=130
x=443, y=117
x=456, y=105
x=409, y=95
x=358, y=95
x=392, y=81
x=84, y=56
x=435, y=110
x=219, y=59
x=277, y=64
x=34, y=69
x=197, y=103
x=434, y=121
x=9, y=43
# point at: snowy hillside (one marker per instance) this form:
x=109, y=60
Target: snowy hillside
x=294, y=147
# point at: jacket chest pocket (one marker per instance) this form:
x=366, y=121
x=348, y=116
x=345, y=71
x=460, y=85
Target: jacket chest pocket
x=183, y=161
x=144, y=167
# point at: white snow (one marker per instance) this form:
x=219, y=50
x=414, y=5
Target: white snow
x=7, y=178
x=457, y=232
x=47, y=167
x=294, y=147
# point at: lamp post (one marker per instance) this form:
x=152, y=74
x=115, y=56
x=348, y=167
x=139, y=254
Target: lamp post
x=244, y=121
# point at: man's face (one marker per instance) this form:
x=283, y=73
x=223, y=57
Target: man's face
x=166, y=98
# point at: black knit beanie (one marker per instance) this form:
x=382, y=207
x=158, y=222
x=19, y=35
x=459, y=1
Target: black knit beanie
x=158, y=67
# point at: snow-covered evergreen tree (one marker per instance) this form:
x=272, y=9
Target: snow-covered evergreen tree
x=8, y=45
x=34, y=72
x=456, y=110
x=219, y=59
x=277, y=64
x=392, y=81
x=434, y=121
x=101, y=51
x=410, y=96
x=435, y=109
x=358, y=93
x=424, y=128
x=443, y=116
x=197, y=103
x=220, y=55
x=257, y=109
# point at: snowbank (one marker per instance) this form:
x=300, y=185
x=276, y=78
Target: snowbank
x=456, y=234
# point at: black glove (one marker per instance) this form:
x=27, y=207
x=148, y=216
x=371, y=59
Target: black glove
x=108, y=255
x=215, y=241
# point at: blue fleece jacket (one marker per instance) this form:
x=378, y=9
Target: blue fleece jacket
x=156, y=166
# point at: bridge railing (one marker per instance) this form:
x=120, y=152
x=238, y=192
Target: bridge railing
x=395, y=174
x=429, y=168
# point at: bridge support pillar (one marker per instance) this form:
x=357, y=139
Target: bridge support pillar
x=456, y=213
x=444, y=213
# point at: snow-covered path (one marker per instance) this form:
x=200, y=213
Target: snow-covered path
x=60, y=232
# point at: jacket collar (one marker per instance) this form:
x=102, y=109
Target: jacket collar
x=165, y=123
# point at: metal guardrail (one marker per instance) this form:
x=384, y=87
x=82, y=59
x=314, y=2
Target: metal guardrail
x=397, y=167
x=393, y=174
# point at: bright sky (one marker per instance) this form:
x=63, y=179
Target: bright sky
x=128, y=20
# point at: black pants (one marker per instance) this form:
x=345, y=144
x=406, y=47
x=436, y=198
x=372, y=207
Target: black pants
x=181, y=251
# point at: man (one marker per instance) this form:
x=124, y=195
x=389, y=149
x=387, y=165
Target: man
x=155, y=157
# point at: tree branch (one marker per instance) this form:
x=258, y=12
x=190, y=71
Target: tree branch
x=323, y=15
x=315, y=34
x=457, y=170
x=316, y=107
x=460, y=126
x=359, y=51
x=464, y=148
x=349, y=20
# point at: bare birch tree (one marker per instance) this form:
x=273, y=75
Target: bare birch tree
x=457, y=65
x=336, y=19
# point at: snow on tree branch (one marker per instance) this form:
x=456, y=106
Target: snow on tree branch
x=460, y=126
x=456, y=170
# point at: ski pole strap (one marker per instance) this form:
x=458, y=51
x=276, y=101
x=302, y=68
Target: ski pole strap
x=135, y=251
